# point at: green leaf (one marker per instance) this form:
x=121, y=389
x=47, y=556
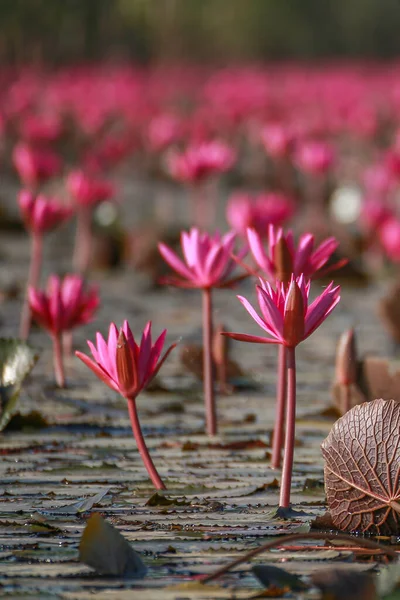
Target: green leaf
x=17, y=359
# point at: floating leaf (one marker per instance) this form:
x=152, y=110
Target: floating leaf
x=340, y=584
x=270, y=575
x=362, y=462
x=103, y=548
x=17, y=359
x=160, y=500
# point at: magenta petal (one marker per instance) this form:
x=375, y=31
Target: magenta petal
x=254, y=314
x=258, y=252
x=254, y=339
x=172, y=259
x=272, y=315
x=97, y=370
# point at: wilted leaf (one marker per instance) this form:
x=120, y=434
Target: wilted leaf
x=17, y=359
x=77, y=507
x=339, y=584
x=362, y=461
x=103, y=548
x=270, y=575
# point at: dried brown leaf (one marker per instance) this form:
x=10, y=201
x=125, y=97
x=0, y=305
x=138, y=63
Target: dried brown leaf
x=362, y=467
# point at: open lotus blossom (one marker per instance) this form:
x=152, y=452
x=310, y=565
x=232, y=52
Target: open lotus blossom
x=288, y=319
x=35, y=165
x=277, y=140
x=208, y=264
x=64, y=305
x=40, y=214
x=86, y=192
x=208, y=260
x=282, y=258
x=286, y=316
x=128, y=368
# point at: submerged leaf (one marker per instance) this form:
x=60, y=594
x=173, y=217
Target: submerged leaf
x=362, y=462
x=17, y=359
x=103, y=548
x=160, y=500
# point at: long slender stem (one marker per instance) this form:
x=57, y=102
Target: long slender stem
x=298, y=536
x=280, y=409
x=58, y=360
x=141, y=444
x=83, y=239
x=286, y=481
x=208, y=377
x=33, y=281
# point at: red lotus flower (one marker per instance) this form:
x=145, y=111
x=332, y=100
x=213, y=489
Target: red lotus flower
x=64, y=305
x=35, y=165
x=208, y=260
x=128, y=368
x=40, y=213
x=200, y=161
x=283, y=323
x=259, y=211
x=282, y=259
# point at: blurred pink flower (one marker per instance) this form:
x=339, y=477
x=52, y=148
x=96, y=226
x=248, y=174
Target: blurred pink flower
x=208, y=260
x=374, y=213
x=315, y=157
x=40, y=213
x=389, y=236
x=282, y=259
x=378, y=180
x=258, y=211
x=287, y=317
x=64, y=305
x=35, y=165
x=277, y=140
x=37, y=128
x=163, y=130
x=88, y=191
x=200, y=161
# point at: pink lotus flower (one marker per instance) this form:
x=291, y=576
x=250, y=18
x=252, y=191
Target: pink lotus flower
x=41, y=128
x=244, y=210
x=288, y=319
x=208, y=264
x=40, y=213
x=314, y=157
x=35, y=165
x=378, y=180
x=277, y=140
x=286, y=315
x=282, y=259
x=128, y=368
x=140, y=363
x=208, y=260
x=62, y=307
x=200, y=161
x=87, y=190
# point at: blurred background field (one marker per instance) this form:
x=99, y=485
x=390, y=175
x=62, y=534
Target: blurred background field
x=214, y=31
